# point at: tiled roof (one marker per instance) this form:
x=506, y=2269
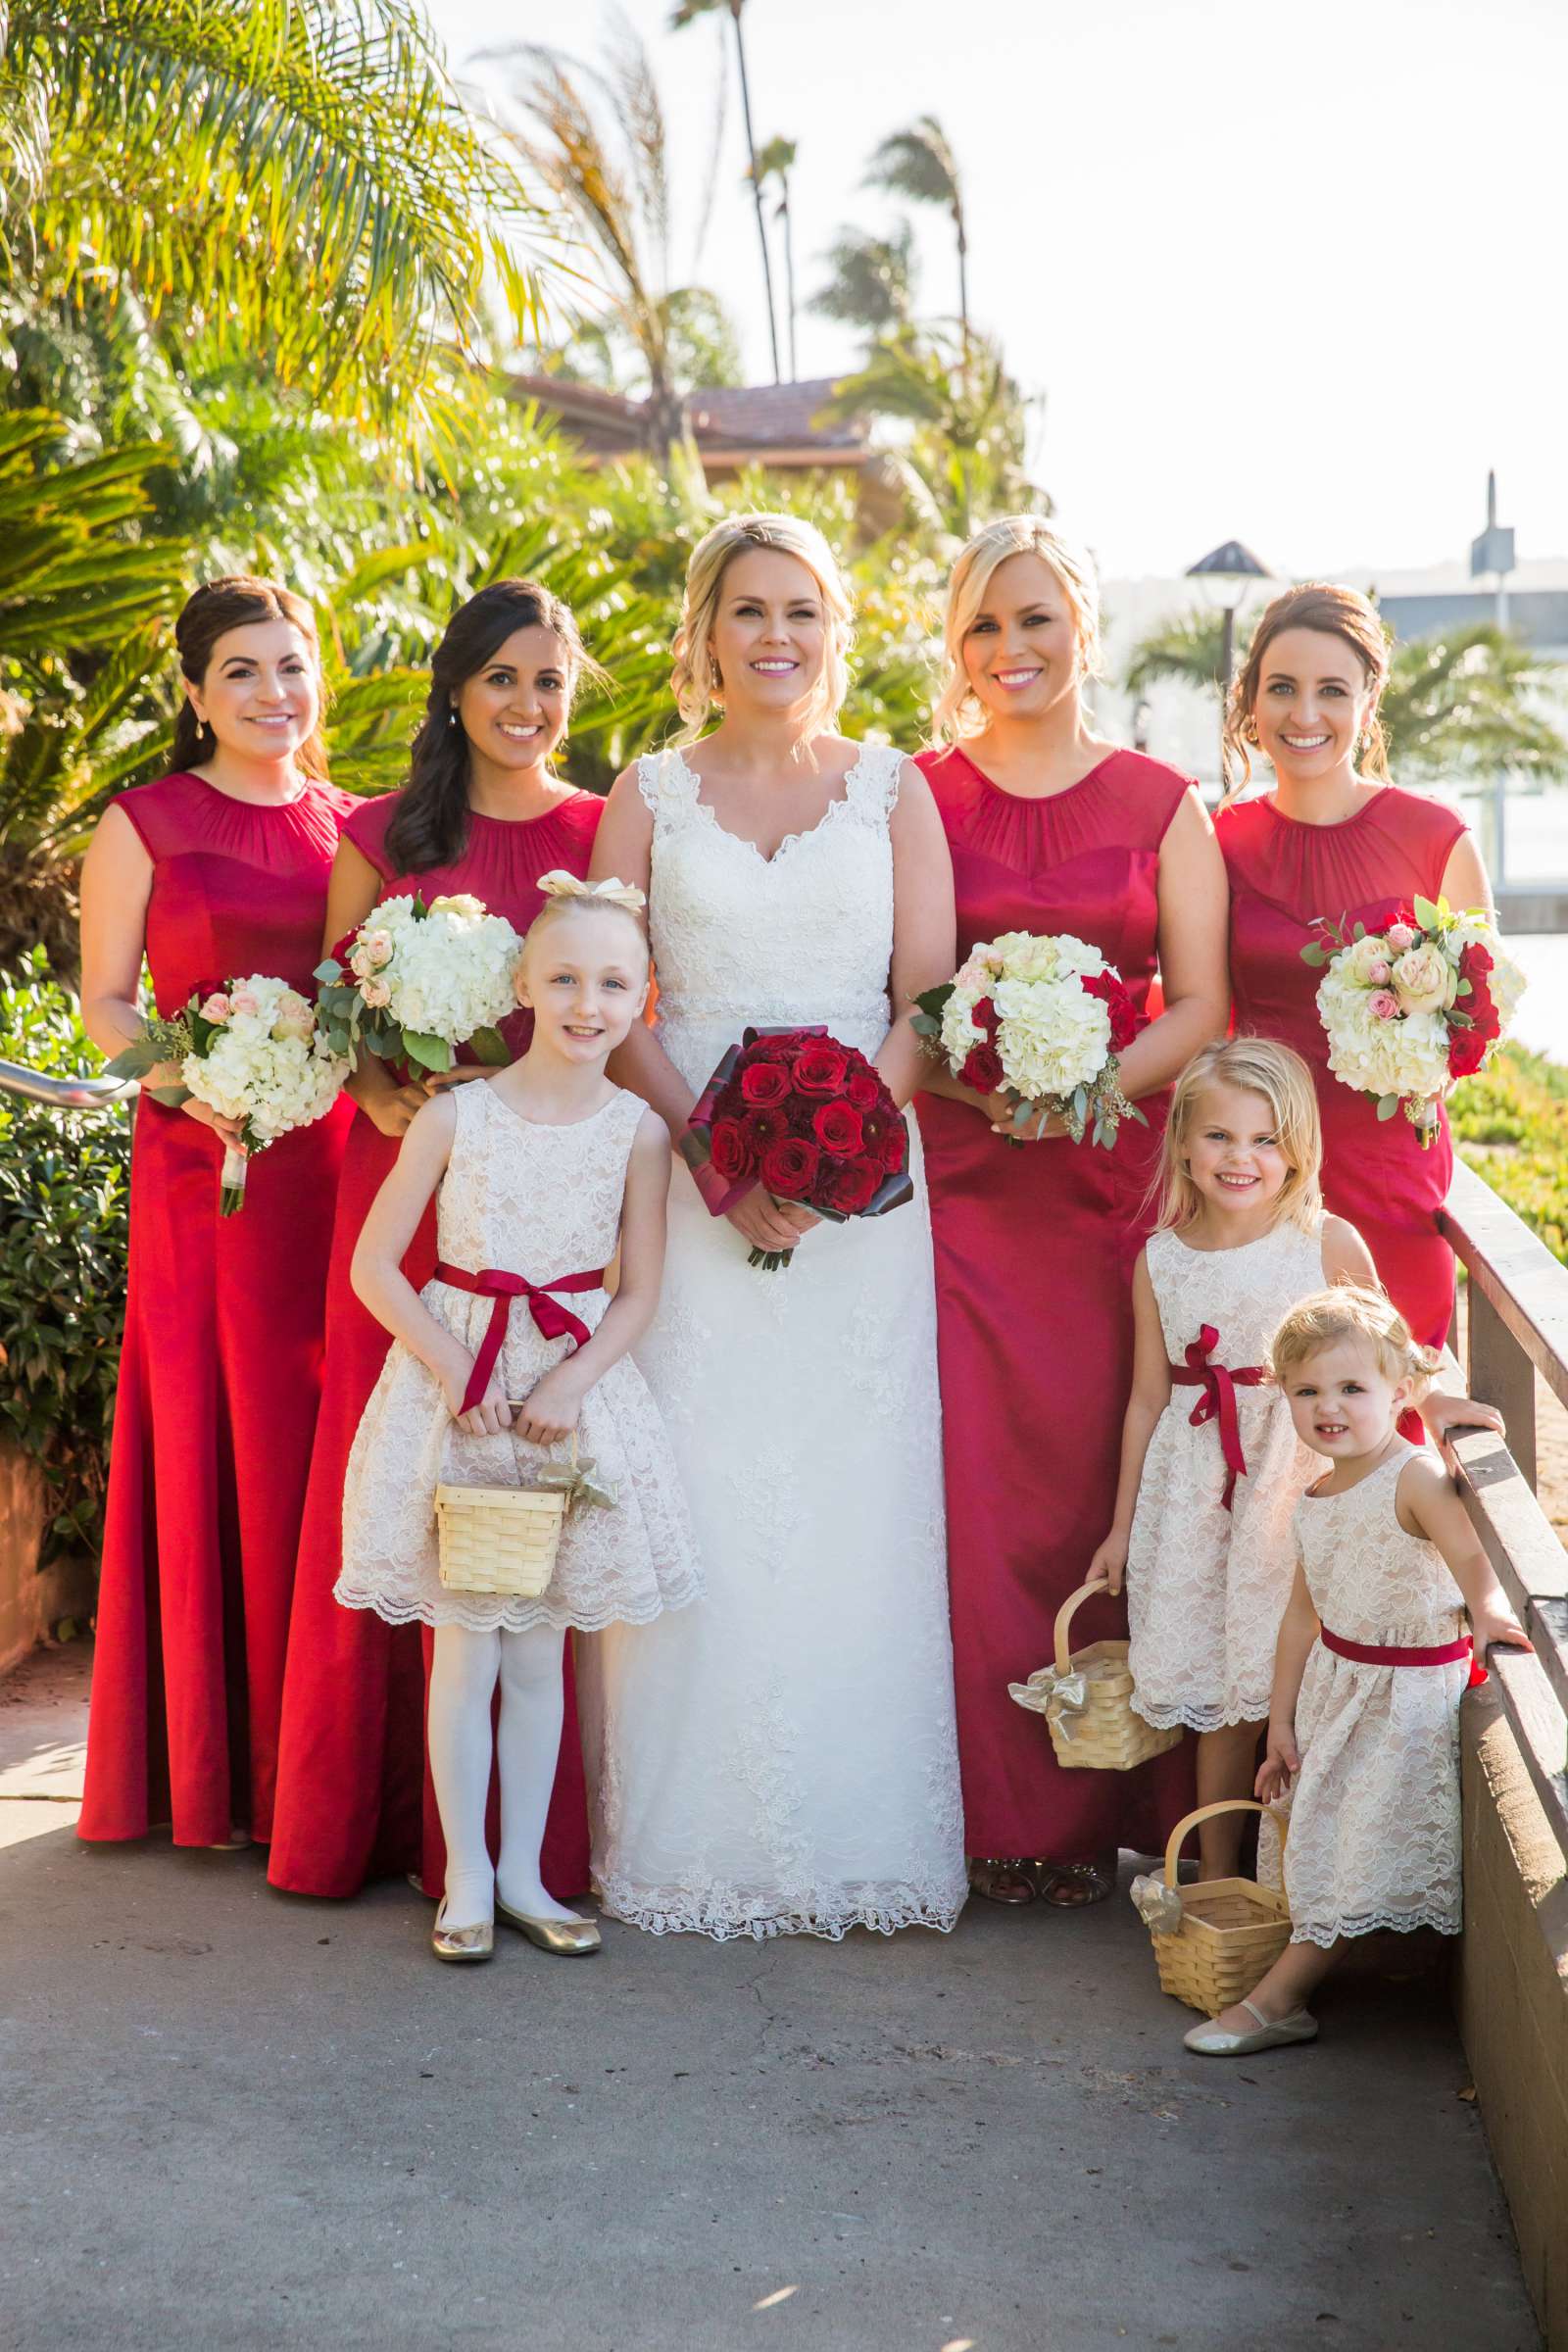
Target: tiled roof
x=760, y=414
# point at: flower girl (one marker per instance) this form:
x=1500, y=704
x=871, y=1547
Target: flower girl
x=1372, y=1663
x=545, y=1171
x=1202, y=1520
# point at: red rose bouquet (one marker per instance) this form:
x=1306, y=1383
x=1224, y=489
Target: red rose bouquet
x=811, y=1120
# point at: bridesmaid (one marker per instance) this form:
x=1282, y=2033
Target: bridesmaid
x=1337, y=838
x=219, y=870
x=484, y=811
x=1052, y=828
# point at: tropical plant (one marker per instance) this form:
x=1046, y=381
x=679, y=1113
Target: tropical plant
x=685, y=13
x=872, y=284
x=920, y=165
x=294, y=180
x=65, y=1183
x=1462, y=702
x=966, y=449
x=776, y=161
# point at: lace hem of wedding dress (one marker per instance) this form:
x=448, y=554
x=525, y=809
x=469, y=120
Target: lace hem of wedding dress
x=1190, y=1716
x=679, y=1911
x=1370, y=1923
x=499, y=1612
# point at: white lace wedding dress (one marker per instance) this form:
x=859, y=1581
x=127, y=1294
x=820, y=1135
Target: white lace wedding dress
x=781, y=1758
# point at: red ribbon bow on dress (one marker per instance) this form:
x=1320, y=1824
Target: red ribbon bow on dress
x=1219, y=1383
x=554, y=1320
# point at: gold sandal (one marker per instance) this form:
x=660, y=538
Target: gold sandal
x=1003, y=1880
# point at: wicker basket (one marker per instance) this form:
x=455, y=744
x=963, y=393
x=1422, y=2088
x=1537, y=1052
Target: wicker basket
x=1232, y=1930
x=1102, y=1733
x=499, y=1539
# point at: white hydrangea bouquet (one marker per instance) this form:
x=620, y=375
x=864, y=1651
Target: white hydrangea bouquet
x=1426, y=1000
x=414, y=982
x=1044, y=1019
x=252, y=1049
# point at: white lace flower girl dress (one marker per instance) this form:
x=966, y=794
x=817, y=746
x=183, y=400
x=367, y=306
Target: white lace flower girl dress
x=1206, y=1586
x=543, y=1202
x=1374, y=1811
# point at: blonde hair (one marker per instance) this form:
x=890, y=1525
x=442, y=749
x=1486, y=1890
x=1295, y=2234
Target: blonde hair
x=1260, y=1067
x=695, y=676
x=1334, y=612
x=1351, y=1311
x=955, y=714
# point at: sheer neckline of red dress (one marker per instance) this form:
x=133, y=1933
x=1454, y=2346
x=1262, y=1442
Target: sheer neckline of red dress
x=264, y=808
x=1338, y=824
x=517, y=824
x=1035, y=800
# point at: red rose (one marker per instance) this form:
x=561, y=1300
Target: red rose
x=1124, y=1022
x=774, y=1049
x=790, y=1166
x=762, y=1084
x=1467, y=1051
x=982, y=1069
x=729, y=1148
x=838, y=1128
x=1475, y=962
x=895, y=1146
x=863, y=1089
x=986, y=1018
x=851, y=1186
x=820, y=1066
x=765, y=1127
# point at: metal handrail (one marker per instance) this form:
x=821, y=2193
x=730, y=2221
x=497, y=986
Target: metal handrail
x=66, y=1094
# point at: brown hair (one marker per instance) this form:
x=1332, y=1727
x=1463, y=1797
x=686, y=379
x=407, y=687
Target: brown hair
x=431, y=824
x=1341, y=613
x=238, y=602
x=1351, y=1311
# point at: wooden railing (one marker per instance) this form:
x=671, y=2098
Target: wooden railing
x=1517, y=1318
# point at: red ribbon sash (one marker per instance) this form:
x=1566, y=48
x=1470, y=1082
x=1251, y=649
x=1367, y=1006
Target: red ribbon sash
x=1375, y=1653
x=1219, y=1383
x=554, y=1320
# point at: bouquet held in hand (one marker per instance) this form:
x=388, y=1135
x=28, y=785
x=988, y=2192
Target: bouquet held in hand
x=1043, y=1020
x=1409, y=1008
x=807, y=1118
x=254, y=1052
x=414, y=982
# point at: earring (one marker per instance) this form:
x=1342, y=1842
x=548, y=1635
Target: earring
x=452, y=717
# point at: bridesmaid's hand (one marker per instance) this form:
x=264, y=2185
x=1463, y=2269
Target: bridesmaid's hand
x=1039, y=1127
x=229, y=1131
x=395, y=1111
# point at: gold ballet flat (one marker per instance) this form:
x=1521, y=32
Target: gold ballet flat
x=460, y=1944
x=566, y=1935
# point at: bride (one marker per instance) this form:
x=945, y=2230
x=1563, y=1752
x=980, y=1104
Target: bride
x=781, y=1759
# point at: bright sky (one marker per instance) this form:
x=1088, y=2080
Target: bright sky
x=1284, y=271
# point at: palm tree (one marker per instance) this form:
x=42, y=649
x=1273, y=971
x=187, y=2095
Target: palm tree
x=873, y=280
x=1462, y=702
x=920, y=165
x=296, y=181
x=687, y=13
x=776, y=161
x=967, y=447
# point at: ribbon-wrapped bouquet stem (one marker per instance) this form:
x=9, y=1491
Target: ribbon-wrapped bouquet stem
x=809, y=1119
x=414, y=982
x=1042, y=1019
x=1410, y=1008
x=253, y=1051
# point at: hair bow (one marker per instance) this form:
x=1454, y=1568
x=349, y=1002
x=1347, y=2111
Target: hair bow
x=612, y=892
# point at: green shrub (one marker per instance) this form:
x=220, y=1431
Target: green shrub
x=65, y=1182
x=1511, y=1126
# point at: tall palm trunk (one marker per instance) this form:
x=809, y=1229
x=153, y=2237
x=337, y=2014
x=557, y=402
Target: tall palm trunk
x=787, y=218
x=735, y=7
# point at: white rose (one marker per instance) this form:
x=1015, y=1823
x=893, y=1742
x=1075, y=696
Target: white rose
x=1424, y=980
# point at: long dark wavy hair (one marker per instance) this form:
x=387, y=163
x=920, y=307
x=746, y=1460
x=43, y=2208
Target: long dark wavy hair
x=431, y=823
x=238, y=602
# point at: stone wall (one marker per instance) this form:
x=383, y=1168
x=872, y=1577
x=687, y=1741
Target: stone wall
x=1512, y=1987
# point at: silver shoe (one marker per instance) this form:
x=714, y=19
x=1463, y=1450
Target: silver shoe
x=1208, y=2040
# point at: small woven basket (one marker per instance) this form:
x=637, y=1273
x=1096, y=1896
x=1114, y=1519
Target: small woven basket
x=499, y=1539
x=1232, y=1930
x=1102, y=1733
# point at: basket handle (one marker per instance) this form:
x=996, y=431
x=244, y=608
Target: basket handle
x=1065, y=1617
x=1190, y=1821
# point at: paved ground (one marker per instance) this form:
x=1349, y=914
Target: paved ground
x=236, y=2120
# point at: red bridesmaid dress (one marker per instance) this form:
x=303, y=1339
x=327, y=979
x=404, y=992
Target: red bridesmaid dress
x=353, y=1802
x=1283, y=874
x=1035, y=1247
x=222, y=1366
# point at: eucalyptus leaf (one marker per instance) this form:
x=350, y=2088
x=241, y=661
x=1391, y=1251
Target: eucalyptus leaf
x=1388, y=1105
x=491, y=1048
x=429, y=1052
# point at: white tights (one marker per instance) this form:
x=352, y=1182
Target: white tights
x=527, y=1749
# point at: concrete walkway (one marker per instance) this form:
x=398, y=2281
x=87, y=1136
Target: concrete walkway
x=234, y=2119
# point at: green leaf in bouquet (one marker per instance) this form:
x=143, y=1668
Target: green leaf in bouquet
x=1464, y=988
x=1360, y=931
x=933, y=1002
x=925, y=1024
x=1080, y=1104
x=427, y=1053
x=202, y=1033
x=1315, y=953
x=328, y=972
x=1426, y=915
x=377, y=1041
x=1388, y=1105
x=173, y=1096
x=417, y=908
x=491, y=1048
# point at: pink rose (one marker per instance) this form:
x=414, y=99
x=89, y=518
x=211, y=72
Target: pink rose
x=1383, y=1005
x=378, y=947
x=377, y=993
x=361, y=963
x=216, y=1007
x=1400, y=936
x=243, y=1001
x=1379, y=972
